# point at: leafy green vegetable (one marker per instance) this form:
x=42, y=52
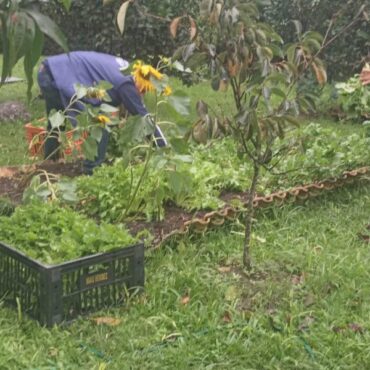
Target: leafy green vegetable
x=354, y=99
x=52, y=234
x=315, y=153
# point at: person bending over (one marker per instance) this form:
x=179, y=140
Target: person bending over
x=57, y=76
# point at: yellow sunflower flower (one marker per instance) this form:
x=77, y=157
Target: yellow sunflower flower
x=167, y=91
x=165, y=60
x=104, y=120
x=142, y=74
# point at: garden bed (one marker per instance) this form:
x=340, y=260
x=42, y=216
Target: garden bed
x=15, y=179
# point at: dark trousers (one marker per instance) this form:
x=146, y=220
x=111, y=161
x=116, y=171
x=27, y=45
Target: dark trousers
x=52, y=101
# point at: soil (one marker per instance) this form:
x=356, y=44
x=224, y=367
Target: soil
x=13, y=111
x=15, y=179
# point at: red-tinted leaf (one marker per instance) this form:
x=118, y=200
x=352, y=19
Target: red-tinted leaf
x=174, y=26
x=356, y=328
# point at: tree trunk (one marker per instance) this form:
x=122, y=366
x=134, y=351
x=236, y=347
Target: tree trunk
x=249, y=218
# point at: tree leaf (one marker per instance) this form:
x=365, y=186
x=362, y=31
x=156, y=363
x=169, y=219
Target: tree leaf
x=90, y=148
x=202, y=108
x=216, y=84
x=178, y=181
x=49, y=28
x=22, y=35
x=5, y=46
x=31, y=58
x=179, y=145
x=174, y=26
x=137, y=129
x=96, y=132
x=180, y=101
x=80, y=91
x=57, y=119
x=121, y=16
x=320, y=73
x=66, y=3
x=193, y=28
x=205, y=8
x=107, y=108
x=298, y=27
x=188, y=51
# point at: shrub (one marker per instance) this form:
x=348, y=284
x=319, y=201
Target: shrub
x=354, y=99
x=345, y=55
x=91, y=26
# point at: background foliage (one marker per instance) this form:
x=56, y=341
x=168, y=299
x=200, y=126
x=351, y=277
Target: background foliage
x=89, y=25
x=345, y=56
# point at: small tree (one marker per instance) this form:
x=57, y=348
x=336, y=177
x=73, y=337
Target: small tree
x=249, y=57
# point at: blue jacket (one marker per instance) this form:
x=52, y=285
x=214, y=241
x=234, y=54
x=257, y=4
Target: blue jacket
x=88, y=68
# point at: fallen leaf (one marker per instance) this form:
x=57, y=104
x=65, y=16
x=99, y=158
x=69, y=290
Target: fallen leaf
x=297, y=279
x=260, y=239
x=110, y=321
x=224, y=269
x=185, y=300
x=317, y=249
x=171, y=337
x=365, y=238
x=356, y=328
x=227, y=317
x=337, y=329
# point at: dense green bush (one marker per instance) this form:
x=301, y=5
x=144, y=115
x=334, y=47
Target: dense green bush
x=345, y=55
x=91, y=26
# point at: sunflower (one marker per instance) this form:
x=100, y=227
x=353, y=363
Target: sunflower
x=167, y=91
x=103, y=120
x=142, y=75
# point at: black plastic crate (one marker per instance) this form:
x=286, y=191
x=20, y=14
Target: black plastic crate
x=60, y=293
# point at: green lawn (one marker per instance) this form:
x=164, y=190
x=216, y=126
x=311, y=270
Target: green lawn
x=13, y=143
x=306, y=305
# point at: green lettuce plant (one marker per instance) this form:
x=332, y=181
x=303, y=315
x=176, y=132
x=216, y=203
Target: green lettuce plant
x=354, y=99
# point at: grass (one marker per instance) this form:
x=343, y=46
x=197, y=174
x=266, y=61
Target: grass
x=305, y=306
x=13, y=144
